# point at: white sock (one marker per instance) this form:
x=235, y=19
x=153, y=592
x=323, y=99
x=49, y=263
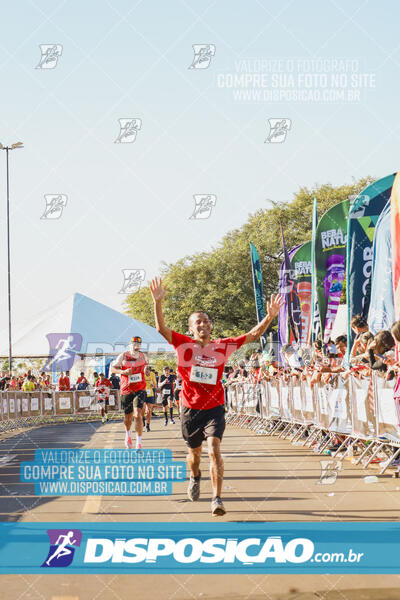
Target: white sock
x=128, y=433
x=139, y=439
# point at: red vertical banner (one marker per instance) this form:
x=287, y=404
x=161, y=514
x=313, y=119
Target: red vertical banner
x=395, y=239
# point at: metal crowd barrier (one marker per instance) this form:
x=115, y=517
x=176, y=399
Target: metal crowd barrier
x=21, y=409
x=357, y=416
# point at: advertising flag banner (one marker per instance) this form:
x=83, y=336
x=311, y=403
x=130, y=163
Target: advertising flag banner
x=258, y=288
x=330, y=263
x=301, y=262
x=290, y=291
x=363, y=216
x=315, y=322
x=395, y=236
x=381, y=308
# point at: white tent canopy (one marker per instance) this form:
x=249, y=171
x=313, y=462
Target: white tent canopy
x=103, y=330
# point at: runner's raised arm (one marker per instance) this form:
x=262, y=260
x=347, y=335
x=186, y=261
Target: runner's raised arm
x=273, y=307
x=158, y=292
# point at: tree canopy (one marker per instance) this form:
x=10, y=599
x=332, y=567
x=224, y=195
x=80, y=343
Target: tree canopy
x=220, y=281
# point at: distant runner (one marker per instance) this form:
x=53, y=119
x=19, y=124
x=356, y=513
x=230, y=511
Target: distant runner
x=102, y=392
x=201, y=364
x=151, y=387
x=130, y=366
x=177, y=391
x=166, y=385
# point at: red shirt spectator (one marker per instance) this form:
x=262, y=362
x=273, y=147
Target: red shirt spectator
x=64, y=384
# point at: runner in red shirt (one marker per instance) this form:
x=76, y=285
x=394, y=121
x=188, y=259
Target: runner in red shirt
x=103, y=386
x=130, y=366
x=201, y=364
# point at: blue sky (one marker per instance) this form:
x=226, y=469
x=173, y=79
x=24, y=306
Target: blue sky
x=129, y=204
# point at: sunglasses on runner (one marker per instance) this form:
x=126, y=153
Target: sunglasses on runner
x=136, y=340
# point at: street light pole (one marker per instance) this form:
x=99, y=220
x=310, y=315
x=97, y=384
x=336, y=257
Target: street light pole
x=7, y=149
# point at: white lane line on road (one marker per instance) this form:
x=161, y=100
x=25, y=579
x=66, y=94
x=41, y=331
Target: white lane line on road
x=93, y=503
x=5, y=460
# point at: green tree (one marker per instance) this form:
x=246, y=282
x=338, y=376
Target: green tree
x=220, y=283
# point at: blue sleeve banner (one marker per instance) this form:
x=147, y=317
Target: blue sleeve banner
x=381, y=308
x=199, y=548
x=258, y=288
x=363, y=217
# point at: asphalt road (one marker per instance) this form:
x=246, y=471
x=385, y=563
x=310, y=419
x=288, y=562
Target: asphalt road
x=266, y=479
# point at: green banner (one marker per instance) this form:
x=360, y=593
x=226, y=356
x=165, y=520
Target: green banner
x=301, y=263
x=330, y=263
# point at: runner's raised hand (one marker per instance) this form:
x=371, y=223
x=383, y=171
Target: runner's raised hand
x=274, y=305
x=157, y=290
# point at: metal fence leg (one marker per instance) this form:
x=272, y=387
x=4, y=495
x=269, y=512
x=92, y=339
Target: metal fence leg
x=375, y=452
x=365, y=451
x=389, y=462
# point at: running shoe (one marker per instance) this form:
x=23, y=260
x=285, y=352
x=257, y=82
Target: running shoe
x=193, y=490
x=128, y=441
x=138, y=446
x=217, y=507
x=103, y=419
x=147, y=427
x=165, y=423
x=173, y=422
x=106, y=417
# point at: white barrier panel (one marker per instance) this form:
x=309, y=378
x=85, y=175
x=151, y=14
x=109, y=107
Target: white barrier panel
x=297, y=400
x=363, y=417
x=286, y=400
x=232, y=398
x=386, y=411
x=274, y=405
x=309, y=403
x=339, y=410
x=250, y=399
x=264, y=400
x=47, y=404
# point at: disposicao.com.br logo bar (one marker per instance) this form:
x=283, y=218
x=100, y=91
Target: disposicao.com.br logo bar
x=200, y=548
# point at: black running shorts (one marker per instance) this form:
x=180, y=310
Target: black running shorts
x=165, y=400
x=135, y=399
x=198, y=425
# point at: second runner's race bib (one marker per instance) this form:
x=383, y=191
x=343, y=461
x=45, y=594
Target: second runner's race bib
x=204, y=375
x=136, y=378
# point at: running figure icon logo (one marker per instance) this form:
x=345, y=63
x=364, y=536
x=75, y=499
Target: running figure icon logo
x=203, y=54
x=278, y=129
x=203, y=205
x=63, y=543
x=55, y=203
x=50, y=55
x=133, y=279
x=63, y=348
x=128, y=129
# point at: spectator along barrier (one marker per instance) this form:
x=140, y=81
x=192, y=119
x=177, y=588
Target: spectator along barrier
x=21, y=409
x=352, y=417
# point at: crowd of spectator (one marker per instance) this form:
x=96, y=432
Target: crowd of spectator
x=324, y=361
